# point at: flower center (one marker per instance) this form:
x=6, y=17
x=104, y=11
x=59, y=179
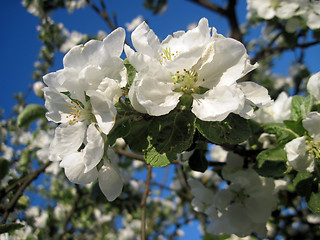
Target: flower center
x=313, y=148
x=78, y=113
x=240, y=196
x=167, y=55
x=188, y=81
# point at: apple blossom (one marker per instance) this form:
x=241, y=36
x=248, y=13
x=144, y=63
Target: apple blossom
x=81, y=98
x=313, y=86
x=193, y=63
x=302, y=151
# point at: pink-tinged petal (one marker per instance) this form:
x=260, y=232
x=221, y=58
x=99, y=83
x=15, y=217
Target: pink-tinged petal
x=255, y=93
x=67, y=139
x=217, y=103
x=110, y=181
x=103, y=110
x=93, y=151
x=74, y=169
x=145, y=41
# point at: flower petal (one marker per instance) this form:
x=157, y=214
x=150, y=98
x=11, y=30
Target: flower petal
x=103, y=110
x=255, y=93
x=74, y=169
x=217, y=103
x=93, y=151
x=67, y=139
x=312, y=125
x=110, y=181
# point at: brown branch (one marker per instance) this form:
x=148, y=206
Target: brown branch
x=143, y=204
x=103, y=13
x=211, y=6
x=70, y=214
x=126, y=153
x=27, y=181
x=233, y=21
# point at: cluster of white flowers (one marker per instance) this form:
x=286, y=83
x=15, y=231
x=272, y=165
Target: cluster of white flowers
x=293, y=11
x=243, y=207
x=302, y=151
x=81, y=98
x=194, y=63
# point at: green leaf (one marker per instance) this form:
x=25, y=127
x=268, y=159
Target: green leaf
x=31, y=113
x=314, y=202
x=282, y=133
x=131, y=71
x=120, y=129
x=137, y=138
x=172, y=132
x=304, y=184
x=10, y=227
x=198, y=161
x=295, y=126
x=300, y=107
x=4, y=168
x=272, y=162
x=156, y=159
x=233, y=130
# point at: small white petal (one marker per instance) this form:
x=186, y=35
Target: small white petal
x=110, y=181
x=313, y=86
x=312, y=125
x=74, y=169
x=255, y=93
x=93, y=151
x=67, y=139
x=217, y=103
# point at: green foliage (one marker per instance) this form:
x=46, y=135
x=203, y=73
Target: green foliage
x=300, y=107
x=282, y=132
x=131, y=71
x=271, y=162
x=29, y=114
x=314, y=202
x=4, y=167
x=10, y=227
x=198, y=161
x=233, y=130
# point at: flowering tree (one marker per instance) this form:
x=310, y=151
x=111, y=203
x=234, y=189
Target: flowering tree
x=242, y=142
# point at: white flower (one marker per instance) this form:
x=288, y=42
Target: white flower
x=302, y=152
x=81, y=98
x=244, y=207
x=193, y=63
x=277, y=112
x=313, y=86
x=268, y=9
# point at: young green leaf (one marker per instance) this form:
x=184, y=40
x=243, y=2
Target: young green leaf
x=31, y=113
x=300, y=107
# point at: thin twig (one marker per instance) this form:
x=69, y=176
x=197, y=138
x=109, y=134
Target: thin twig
x=103, y=13
x=143, y=203
x=27, y=181
x=72, y=211
x=211, y=6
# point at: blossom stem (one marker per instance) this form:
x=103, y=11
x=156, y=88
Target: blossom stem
x=143, y=203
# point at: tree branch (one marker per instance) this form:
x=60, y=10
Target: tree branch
x=211, y=6
x=26, y=182
x=103, y=13
x=143, y=203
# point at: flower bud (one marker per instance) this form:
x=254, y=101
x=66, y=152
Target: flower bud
x=37, y=88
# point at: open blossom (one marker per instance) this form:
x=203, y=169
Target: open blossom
x=302, y=151
x=313, y=86
x=195, y=63
x=241, y=208
x=277, y=112
x=81, y=98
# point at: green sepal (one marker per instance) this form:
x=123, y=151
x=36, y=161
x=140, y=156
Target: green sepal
x=233, y=130
x=272, y=162
x=29, y=114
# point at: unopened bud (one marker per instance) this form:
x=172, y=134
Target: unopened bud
x=37, y=88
